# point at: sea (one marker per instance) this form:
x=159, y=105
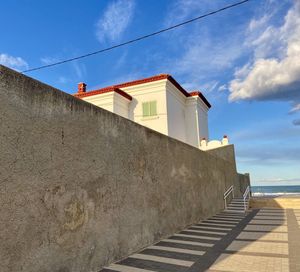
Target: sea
x=275, y=190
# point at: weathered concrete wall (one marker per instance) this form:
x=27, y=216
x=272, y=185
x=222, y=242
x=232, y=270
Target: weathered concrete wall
x=224, y=152
x=241, y=181
x=81, y=187
x=241, y=184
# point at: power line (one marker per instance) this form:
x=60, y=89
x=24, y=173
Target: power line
x=136, y=39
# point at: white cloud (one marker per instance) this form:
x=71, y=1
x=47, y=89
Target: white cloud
x=13, y=62
x=121, y=61
x=196, y=55
x=63, y=80
x=222, y=88
x=276, y=77
x=80, y=70
x=186, y=8
x=296, y=122
x=49, y=60
x=278, y=180
x=256, y=24
x=115, y=20
x=118, y=80
x=204, y=59
x=200, y=53
x=295, y=108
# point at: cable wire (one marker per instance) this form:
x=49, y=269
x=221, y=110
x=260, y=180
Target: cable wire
x=136, y=39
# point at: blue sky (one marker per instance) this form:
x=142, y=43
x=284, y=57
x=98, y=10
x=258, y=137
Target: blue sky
x=245, y=60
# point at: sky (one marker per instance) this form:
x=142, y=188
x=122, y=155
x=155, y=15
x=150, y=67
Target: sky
x=245, y=60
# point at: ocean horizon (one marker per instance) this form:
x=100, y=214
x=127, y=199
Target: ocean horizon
x=275, y=190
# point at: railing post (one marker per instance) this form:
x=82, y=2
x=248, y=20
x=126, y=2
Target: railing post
x=245, y=196
x=226, y=194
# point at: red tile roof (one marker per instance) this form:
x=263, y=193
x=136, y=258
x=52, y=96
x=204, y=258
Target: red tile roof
x=104, y=90
x=142, y=81
x=197, y=93
x=117, y=87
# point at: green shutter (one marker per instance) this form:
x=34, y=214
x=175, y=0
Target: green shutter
x=146, y=109
x=153, y=108
x=149, y=109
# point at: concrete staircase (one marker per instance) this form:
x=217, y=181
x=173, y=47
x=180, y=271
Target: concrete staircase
x=237, y=205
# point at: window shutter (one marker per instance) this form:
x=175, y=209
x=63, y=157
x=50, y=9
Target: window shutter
x=153, y=110
x=146, y=109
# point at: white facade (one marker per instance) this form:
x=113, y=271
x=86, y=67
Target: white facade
x=178, y=114
x=207, y=145
x=110, y=101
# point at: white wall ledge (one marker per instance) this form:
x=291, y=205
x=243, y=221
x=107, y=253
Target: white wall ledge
x=207, y=145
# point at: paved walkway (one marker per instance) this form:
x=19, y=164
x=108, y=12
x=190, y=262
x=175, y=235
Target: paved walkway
x=261, y=241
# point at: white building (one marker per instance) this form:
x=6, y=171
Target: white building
x=157, y=102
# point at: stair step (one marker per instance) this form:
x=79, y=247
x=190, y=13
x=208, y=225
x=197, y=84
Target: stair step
x=237, y=205
x=234, y=211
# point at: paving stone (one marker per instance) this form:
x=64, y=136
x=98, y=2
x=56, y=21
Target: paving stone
x=266, y=240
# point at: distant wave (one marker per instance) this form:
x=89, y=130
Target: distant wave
x=273, y=194
x=273, y=191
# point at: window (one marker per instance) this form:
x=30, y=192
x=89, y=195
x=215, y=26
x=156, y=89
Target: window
x=149, y=108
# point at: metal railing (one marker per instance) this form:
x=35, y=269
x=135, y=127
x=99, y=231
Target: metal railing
x=227, y=193
x=245, y=196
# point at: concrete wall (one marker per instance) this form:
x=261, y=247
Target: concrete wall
x=242, y=181
x=241, y=184
x=224, y=152
x=81, y=187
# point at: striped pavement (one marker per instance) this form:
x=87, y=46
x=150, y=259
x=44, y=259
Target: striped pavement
x=265, y=240
x=179, y=252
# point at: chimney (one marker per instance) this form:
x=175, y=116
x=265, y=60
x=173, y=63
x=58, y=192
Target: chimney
x=81, y=87
x=203, y=142
x=225, y=140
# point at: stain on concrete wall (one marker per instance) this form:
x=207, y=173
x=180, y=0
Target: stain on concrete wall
x=81, y=187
